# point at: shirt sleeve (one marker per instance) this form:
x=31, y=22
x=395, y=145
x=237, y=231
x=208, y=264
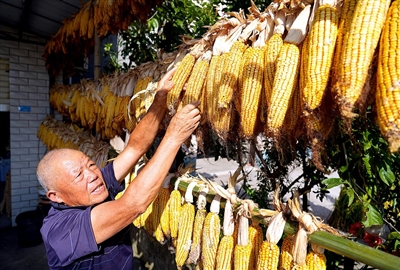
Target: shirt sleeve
x=113, y=186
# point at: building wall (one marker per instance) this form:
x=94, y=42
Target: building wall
x=29, y=86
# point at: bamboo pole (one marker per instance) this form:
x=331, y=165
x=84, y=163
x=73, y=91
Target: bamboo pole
x=339, y=245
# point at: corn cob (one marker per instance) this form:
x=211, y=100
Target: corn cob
x=286, y=258
x=230, y=74
x=180, y=77
x=225, y=249
x=346, y=15
x=322, y=40
x=256, y=240
x=196, y=80
x=250, y=88
x=273, y=47
x=242, y=251
x=388, y=93
x=185, y=227
x=287, y=69
x=356, y=57
x=210, y=237
x=175, y=206
x=269, y=253
x=214, y=76
x=201, y=213
x=284, y=83
x=161, y=210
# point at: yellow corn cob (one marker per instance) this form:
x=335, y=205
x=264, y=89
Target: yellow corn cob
x=243, y=247
x=180, y=77
x=196, y=80
x=210, y=90
x=322, y=40
x=293, y=115
x=286, y=258
x=164, y=221
x=256, y=240
x=146, y=219
x=284, y=82
x=268, y=257
x=224, y=253
x=273, y=47
x=210, y=240
x=346, y=15
x=210, y=237
x=175, y=206
x=357, y=52
x=388, y=93
x=315, y=261
x=230, y=75
x=225, y=249
x=185, y=227
x=250, y=88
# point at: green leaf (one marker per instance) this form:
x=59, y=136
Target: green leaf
x=332, y=182
x=350, y=194
x=393, y=235
x=387, y=176
x=373, y=217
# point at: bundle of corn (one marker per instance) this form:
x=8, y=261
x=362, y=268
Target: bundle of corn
x=362, y=28
x=201, y=213
x=187, y=216
x=210, y=238
x=55, y=134
x=388, y=94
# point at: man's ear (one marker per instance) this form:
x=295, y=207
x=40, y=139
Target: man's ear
x=52, y=195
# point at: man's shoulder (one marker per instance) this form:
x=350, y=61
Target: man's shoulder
x=58, y=219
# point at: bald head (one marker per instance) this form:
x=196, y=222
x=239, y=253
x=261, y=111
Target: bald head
x=48, y=167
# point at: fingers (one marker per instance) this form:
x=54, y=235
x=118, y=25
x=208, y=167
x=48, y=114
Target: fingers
x=166, y=83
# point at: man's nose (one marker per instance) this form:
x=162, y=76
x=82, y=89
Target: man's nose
x=90, y=175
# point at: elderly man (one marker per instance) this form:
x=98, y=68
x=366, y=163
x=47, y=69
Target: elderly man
x=86, y=228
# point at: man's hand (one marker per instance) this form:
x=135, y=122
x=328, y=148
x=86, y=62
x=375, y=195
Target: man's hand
x=166, y=83
x=184, y=122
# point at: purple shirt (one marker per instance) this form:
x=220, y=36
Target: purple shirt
x=69, y=240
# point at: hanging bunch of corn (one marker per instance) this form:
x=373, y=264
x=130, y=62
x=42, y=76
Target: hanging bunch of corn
x=287, y=69
x=187, y=215
x=321, y=42
x=210, y=237
x=201, y=213
x=355, y=58
x=388, y=93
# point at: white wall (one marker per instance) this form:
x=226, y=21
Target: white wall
x=29, y=86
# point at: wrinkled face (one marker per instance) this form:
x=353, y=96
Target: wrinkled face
x=80, y=182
